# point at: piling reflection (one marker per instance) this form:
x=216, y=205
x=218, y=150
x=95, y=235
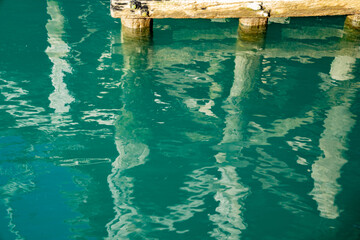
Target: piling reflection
x=19, y=176
x=339, y=121
x=136, y=47
x=131, y=135
x=333, y=142
x=58, y=50
x=326, y=169
x=342, y=67
x=229, y=219
x=132, y=152
x=252, y=36
x=269, y=167
x=270, y=170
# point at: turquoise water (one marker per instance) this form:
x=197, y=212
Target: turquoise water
x=193, y=135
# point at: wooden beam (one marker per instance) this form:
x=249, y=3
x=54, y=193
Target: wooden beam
x=234, y=8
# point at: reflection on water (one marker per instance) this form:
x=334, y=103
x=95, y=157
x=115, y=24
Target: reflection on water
x=229, y=218
x=193, y=134
x=131, y=135
x=129, y=140
x=60, y=99
x=24, y=113
x=341, y=68
x=16, y=185
x=339, y=121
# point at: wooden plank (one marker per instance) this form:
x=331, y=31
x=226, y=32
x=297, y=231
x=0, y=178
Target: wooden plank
x=234, y=8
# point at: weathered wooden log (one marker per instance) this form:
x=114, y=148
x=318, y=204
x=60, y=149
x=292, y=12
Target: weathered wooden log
x=233, y=8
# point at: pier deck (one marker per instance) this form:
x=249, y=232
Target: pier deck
x=234, y=8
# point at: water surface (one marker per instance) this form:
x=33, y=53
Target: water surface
x=192, y=135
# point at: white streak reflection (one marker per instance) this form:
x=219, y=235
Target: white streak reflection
x=21, y=109
x=60, y=99
x=18, y=184
x=341, y=68
x=269, y=169
x=199, y=185
x=127, y=218
x=229, y=219
x=101, y=116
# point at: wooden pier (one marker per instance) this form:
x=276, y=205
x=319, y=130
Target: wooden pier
x=138, y=14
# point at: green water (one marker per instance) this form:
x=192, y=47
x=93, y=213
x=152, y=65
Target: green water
x=193, y=135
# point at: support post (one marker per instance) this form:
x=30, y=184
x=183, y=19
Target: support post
x=137, y=27
x=351, y=31
x=353, y=21
x=252, y=29
x=257, y=23
x=137, y=23
x=342, y=67
x=136, y=40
